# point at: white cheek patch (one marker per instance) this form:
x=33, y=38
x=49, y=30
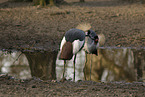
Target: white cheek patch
x=77, y=46
x=86, y=33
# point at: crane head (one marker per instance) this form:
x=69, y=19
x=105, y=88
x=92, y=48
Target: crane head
x=91, y=34
x=91, y=42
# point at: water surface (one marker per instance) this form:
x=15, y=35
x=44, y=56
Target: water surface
x=121, y=64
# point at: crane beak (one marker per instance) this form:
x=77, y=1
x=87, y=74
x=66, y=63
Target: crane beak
x=95, y=52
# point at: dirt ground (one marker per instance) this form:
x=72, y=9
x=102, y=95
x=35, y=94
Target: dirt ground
x=38, y=88
x=24, y=26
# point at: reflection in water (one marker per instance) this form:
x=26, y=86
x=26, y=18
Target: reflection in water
x=42, y=64
x=14, y=65
x=80, y=61
x=110, y=65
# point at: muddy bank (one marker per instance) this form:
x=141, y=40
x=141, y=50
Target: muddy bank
x=37, y=87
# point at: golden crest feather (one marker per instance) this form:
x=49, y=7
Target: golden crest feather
x=101, y=39
x=84, y=26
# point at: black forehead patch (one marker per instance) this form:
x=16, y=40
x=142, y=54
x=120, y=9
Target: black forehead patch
x=89, y=31
x=96, y=37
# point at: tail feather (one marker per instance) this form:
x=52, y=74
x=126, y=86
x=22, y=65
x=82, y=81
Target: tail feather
x=84, y=26
x=67, y=51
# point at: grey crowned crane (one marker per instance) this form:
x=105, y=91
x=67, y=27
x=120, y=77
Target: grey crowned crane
x=75, y=40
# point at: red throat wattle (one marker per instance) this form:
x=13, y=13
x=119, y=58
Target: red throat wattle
x=96, y=41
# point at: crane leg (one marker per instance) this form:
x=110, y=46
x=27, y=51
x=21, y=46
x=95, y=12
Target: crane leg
x=64, y=69
x=90, y=66
x=74, y=62
x=84, y=70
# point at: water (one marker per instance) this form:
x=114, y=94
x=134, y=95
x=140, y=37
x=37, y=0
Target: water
x=80, y=61
x=14, y=65
x=122, y=64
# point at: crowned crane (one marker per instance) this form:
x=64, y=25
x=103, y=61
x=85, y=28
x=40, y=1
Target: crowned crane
x=75, y=40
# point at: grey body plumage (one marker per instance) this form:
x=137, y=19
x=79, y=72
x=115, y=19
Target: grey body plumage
x=74, y=34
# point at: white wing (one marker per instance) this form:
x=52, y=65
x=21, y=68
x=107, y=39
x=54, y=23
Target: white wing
x=62, y=42
x=77, y=46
